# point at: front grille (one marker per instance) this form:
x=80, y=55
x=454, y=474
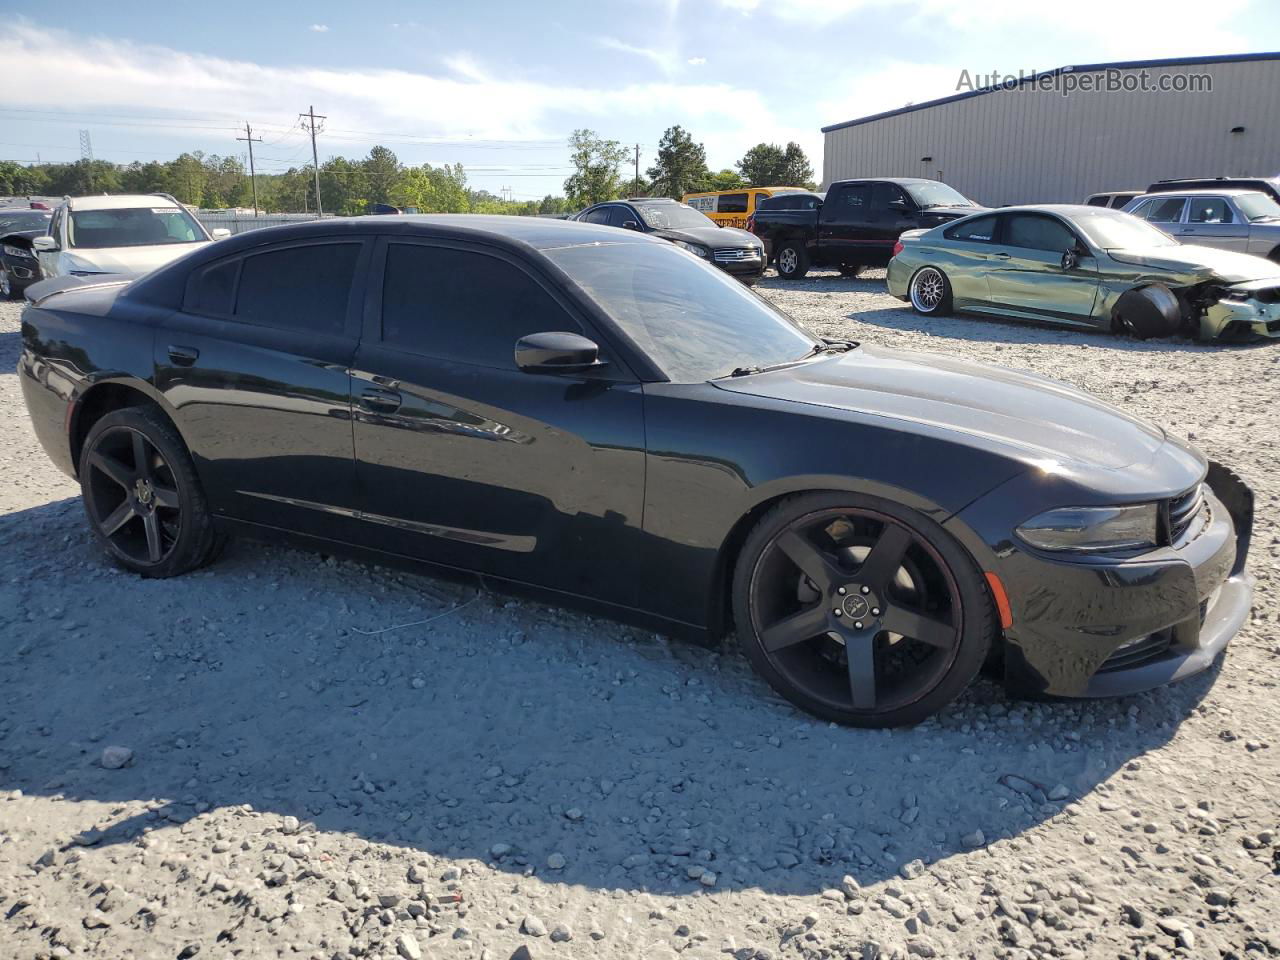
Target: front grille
x=735, y=255
x=1137, y=652
x=1184, y=513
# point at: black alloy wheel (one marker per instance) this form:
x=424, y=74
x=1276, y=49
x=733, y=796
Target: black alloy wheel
x=141, y=494
x=859, y=610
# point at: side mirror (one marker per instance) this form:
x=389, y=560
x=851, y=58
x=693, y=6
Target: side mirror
x=221, y=233
x=630, y=225
x=556, y=353
x=1070, y=259
x=44, y=244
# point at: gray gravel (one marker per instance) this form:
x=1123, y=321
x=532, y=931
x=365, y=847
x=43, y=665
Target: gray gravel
x=278, y=757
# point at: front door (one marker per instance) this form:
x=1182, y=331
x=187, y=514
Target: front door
x=892, y=212
x=255, y=365
x=1026, y=270
x=465, y=460
x=844, y=224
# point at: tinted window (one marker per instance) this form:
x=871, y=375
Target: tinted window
x=298, y=288
x=977, y=230
x=851, y=204
x=461, y=305
x=761, y=198
x=783, y=202
x=1209, y=210
x=1168, y=210
x=1099, y=200
x=882, y=194
x=1038, y=233
x=212, y=288
x=1121, y=199
x=620, y=215
x=732, y=203
x=694, y=321
x=596, y=216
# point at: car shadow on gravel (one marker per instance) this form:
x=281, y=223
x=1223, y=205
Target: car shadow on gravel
x=435, y=717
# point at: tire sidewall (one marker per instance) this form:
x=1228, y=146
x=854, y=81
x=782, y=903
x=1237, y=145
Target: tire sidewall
x=802, y=264
x=977, y=623
x=195, y=522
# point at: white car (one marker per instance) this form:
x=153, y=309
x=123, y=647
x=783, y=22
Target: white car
x=129, y=235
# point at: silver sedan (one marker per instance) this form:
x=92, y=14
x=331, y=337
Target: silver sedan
x=1246, y=221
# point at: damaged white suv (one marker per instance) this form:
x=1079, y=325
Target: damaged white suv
x=129, y=235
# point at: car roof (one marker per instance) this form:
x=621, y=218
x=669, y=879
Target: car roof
x=121, y=201
x=1061, y=209
x=901, y=181
x=1206, y=192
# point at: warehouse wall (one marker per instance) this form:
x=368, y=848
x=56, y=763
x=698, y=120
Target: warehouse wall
x=1021, y=146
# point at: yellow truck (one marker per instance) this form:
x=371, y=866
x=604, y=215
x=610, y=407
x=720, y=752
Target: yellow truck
x=730, y=208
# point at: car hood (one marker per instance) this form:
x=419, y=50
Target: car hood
x=1041, y=422
x=132, y=261
x=711, y=236
x=1199, y=263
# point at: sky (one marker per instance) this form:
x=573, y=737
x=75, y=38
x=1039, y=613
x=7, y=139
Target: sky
x=498, y=86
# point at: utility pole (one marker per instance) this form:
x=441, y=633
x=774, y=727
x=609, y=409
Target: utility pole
x=86, y=154
x=311, y=117
x=637, y=183
x=248, y=135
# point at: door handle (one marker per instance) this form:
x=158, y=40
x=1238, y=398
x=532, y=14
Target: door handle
x=183, y=356
x=379, y=400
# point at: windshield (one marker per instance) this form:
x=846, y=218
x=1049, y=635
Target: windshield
x=695, y=322
x=1258, y=206
x=132, y=227
x=1113, y=230
x=672, y=216
x=937, y=195
x=13, y=221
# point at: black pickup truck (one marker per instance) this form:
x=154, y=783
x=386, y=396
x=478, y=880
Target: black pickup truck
x=855, y=224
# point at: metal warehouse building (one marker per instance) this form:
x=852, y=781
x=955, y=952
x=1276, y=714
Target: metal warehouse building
x=1062, y=135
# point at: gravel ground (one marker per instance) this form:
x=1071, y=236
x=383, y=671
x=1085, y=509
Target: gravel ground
x=290, y=755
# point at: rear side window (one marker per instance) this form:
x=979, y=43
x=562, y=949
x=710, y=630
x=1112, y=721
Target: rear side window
x=298, y=288
x=1098, y=200
x=783, y=202
x=977, y=230
x=1209, y=210
x=462, y=305
x=732, y=203
x=761, y=198
x=212, y=289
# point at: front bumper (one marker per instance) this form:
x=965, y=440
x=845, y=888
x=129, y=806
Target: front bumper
x=1119, y=627
x=742, y=269
x=1240, y=320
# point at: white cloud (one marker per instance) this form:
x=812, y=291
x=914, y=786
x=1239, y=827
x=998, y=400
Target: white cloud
x=696, y=61
x=320, y=28
x=664, y=60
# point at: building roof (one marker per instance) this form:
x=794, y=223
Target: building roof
x=1075, y=68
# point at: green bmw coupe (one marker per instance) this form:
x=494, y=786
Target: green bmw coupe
x=1087, y=267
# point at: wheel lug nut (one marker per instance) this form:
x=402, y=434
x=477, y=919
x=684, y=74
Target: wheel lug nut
x=875, y=611
x=838, y=612
x=841, y=591
x=857, y=624
x=866, y=589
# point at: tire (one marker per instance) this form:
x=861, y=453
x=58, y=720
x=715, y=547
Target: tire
x=7, y=290
x=929, y=292
x=1147, y=312
x=142, y=497
x=851, y=271
x=883, y=566
x=792, y=260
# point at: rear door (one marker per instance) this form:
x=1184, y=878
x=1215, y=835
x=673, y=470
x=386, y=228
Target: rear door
x=1214, y=222
x=255, y=365
x=465, y=460
x=844, y=223
x=1027, y=272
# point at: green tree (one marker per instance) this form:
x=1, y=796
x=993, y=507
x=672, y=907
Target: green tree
x=186, y=178
x=344, y=186
x=724, y=180
x=550, y=204
x=769, y=165
x=16, y=180
x=595, y=164
x=681, y=164
x=382, y=170
x=796, y=171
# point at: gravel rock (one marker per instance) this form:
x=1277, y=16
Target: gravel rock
x=408, y=948
x=113, y=758
x=561, y=933
x=532, y=926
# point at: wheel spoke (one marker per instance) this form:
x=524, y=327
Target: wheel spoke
x=165, y=497
x=155, y=548
x=811, y=561
x=112, y=468
x=885, y=558
x=797, y=628
x=141, y=462
x=118, y=518
x=919, y=626
x=860, y=648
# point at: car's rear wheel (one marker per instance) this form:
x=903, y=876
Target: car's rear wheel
x=142, y=496
x=930, y=292
x=792, y=260
x=860, y=610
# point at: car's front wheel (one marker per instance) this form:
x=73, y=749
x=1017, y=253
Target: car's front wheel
x=930, y=292
x=860, y=610
x=793, y=260
x=142, y=496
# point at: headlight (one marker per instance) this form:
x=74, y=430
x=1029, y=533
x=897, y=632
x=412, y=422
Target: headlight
x=693, y=248
x=12, y=251
x=1092, y=529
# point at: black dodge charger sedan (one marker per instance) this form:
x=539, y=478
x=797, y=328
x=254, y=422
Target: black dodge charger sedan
x=736, y=252
x=591, y=415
